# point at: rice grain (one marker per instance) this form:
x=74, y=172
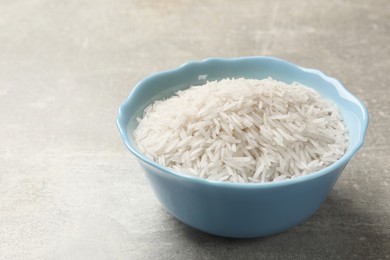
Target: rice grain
x=243, y=130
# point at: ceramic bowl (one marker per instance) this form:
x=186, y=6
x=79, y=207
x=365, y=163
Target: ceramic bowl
x=234, y=209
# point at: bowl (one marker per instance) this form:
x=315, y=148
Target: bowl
x=235, y=209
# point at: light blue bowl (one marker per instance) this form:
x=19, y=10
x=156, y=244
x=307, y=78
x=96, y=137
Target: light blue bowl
x=233, y=209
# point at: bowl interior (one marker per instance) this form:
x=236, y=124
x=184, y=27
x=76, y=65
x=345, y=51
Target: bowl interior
x=165, y=84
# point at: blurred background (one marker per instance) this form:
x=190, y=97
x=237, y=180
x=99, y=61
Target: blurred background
x=70, y=190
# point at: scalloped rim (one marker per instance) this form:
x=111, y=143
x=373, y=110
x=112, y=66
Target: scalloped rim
x=122, y=126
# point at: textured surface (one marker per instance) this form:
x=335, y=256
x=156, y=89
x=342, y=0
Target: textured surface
x=70, y=190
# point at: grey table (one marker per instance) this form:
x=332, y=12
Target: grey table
x=70, y=190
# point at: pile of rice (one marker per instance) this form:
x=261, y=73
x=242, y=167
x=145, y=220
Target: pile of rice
x=243, y=130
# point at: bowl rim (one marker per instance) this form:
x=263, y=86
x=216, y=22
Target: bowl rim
x=122, y=124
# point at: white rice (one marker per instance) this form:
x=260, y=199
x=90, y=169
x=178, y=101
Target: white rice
x=243, y=130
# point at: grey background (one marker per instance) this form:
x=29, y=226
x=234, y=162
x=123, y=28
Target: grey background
x=70, y=190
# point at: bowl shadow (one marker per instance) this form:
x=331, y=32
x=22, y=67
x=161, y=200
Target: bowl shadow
x=338, y=230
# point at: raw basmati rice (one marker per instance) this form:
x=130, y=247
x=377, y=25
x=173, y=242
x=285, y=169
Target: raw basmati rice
x=243, y=130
